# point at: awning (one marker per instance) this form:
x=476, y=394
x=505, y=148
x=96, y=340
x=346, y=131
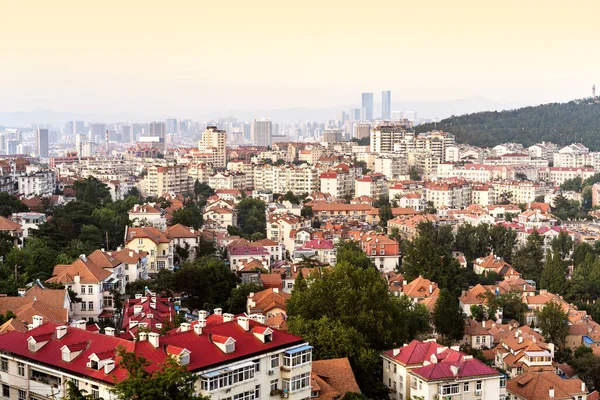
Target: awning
x=105, y=314
x=298, y=349
x=210, y=374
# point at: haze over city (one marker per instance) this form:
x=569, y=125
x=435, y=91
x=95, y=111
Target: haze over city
x=202, y=59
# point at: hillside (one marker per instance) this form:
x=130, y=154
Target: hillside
x=561, y=123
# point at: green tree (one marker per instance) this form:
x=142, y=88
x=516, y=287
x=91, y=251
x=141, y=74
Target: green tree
x=169, y=381
x=306, y=212
x=74, y=393
x=188, y=216
x=352, y=303
x=385, y=214
x=91, y=190
x=236, y=304
x=574, y=184
x=477, y=312
x=554, y=323
x=207, y=282
x=562, y=245
x=10, y=204
x=529, y=259
x=414, y=174
x=251, y=216
x=554, y=275
x=350, y=251
x=448, y=317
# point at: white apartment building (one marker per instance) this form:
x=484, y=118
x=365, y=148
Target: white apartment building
x=245, y=167
x=448, y=194
x=281, y=179
x=280, y=228
x=249, y=360
x=558, y=175
x=227, y=180
x=261, y=132
x=214, y=140
x=37, y=183
x=372, y=185
x=338, y=183
x=517, y=192
x=166, y=179
x=393, y=166
x=149, y=214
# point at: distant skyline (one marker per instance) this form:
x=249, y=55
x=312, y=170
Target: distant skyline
x=193, y=58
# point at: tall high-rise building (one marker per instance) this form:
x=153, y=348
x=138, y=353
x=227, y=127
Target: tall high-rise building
x=98, y=129
x=126, y=133
x=367, y=107
x=76, y=127
x=158, y=129
x=42, y=142
x=214, y=140
x=261, y=132
x=172, y=125
x=386, y=105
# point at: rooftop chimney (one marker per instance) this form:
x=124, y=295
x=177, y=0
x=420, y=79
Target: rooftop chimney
x=551, y=392
x=83, y=257
x=38, y=321
x=153, y=338
x=228, y=317
x=184, y=327
x=395, y=352
x=520, y=339
x=108, y=331
x=61, y=331
x=244, y=322
x=218, y=311
x=80, y=324
x=143, y=336
x=109, y=365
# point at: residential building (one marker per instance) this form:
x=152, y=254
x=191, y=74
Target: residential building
x=148, y=214
x=227, y=180
x=91, y=282
x=35, y=305
x=154, y=243
x=452, y=194
x=373, y=185
x=492, y=263
x=184, y=237
x=322, y=250
x=545, y=385
x=214, y=141
x=332, y=379
x=429, y=370
x=238, y=358
x=37, y=184
x=383, y=251
x=269, y=302
x=261, y=132
x=146, y=313
x=134, y=264
x=324, y=211
x=166, y=179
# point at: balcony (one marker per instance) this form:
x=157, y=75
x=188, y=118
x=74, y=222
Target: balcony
x=44, y=384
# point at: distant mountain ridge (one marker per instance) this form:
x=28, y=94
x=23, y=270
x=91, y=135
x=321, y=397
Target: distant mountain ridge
x=560, y=123
x=424, y=109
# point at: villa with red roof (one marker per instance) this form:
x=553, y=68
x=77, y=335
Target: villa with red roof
x=236, y=357
x=491, y=263
x=322, y=250
x=428, y=370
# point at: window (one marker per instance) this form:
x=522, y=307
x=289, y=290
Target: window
x=95, y=392
x=256, y=365
x=90, y=289
x=161, y=264
x=21, y=369
x=82, y=289
x=22, y=395
x=503, y=381
x=466, y=387
x=4, y=365
x=141, y=242
x=478, y=385
x=5, y=391
x=91, y=306
x=274, y=384
x=31, y=346
x=227, y=378
x=300, y=358
x=83, y=306
x=382, y=252
x=450, y=389
x=257, y=392
x=300, y=381
x=274, y=361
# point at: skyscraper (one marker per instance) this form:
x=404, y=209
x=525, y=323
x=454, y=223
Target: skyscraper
x=386, y=105
x=98, y=129
x=215, y=141
x=76, y=127
x=367, y=106
x=42, y=142
x=158, y=129
x=126, y=133
x=261, y=132
x=172, y=125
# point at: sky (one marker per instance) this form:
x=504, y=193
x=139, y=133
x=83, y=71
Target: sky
x=178, y=57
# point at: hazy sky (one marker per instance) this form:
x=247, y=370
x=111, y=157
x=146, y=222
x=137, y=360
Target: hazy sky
x=177, y=57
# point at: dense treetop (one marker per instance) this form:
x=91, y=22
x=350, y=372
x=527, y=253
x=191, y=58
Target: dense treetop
x=561, y=123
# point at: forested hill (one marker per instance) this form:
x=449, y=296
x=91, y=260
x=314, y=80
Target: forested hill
x=561, y=123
